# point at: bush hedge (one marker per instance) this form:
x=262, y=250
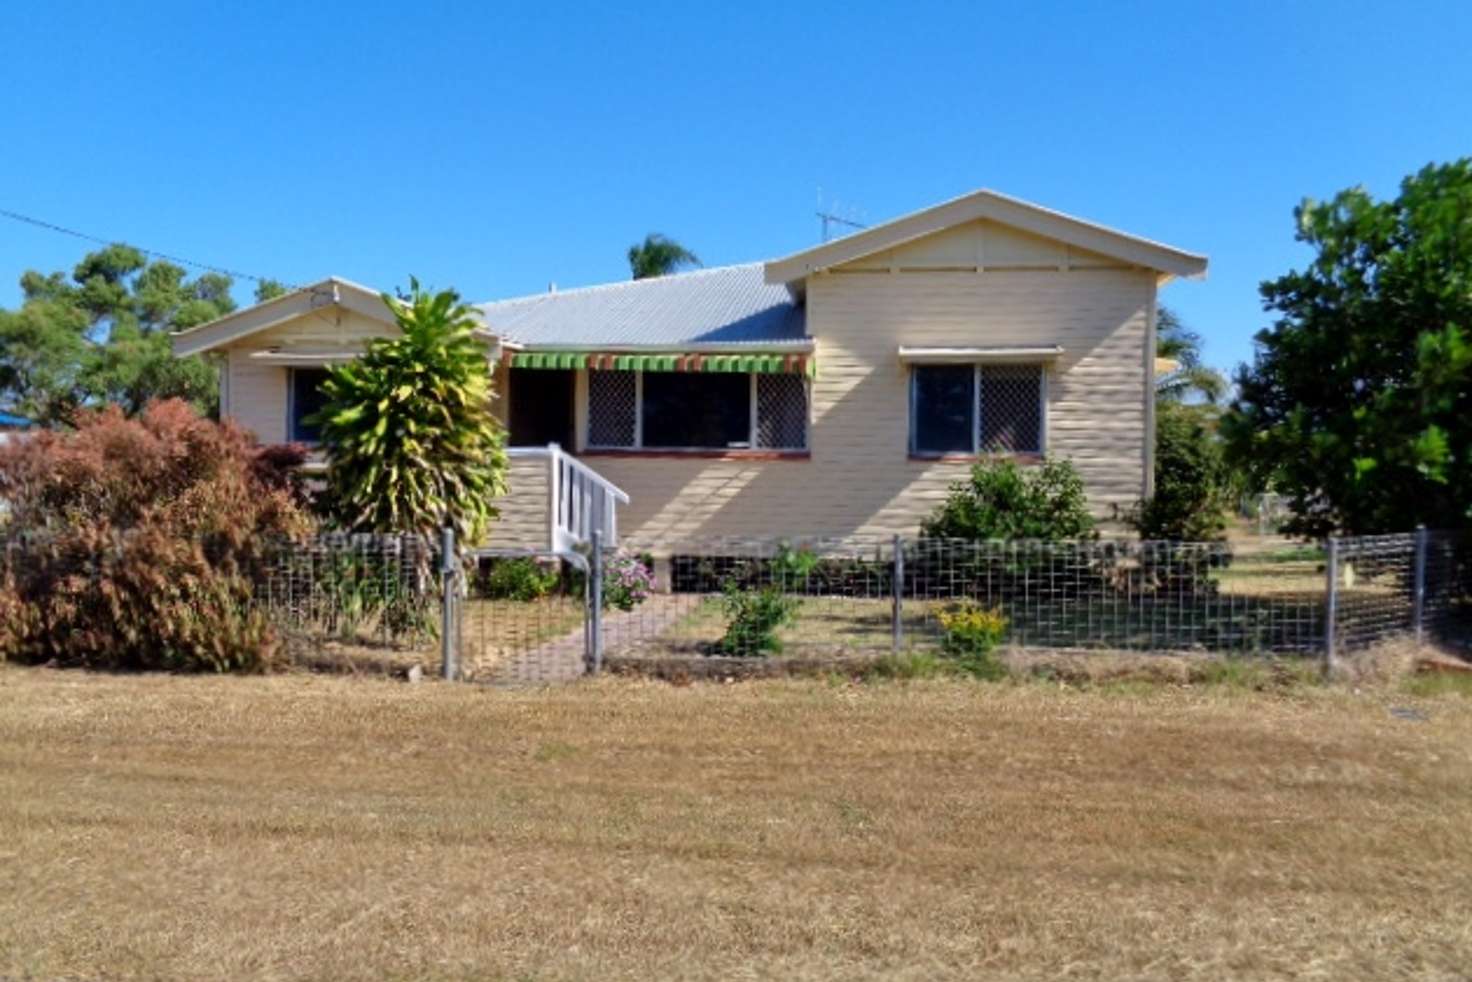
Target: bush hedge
x=135, y=543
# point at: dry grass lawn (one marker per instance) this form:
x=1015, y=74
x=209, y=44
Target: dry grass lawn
x=303, y=826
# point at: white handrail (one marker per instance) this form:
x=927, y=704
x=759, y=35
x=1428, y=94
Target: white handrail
x=579, y=499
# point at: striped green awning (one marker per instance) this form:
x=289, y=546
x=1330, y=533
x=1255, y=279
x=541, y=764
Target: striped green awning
x=767, y=364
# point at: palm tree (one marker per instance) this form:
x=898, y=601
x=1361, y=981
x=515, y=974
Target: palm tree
x=658, y=255
x=1179, y=371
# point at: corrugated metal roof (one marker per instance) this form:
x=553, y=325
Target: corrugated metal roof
x=726, y=305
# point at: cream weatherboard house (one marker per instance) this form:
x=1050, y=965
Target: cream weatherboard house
x=832, y=393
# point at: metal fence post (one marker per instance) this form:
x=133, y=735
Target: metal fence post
x=898, y=625
x=1418, y=609
x=594, y=656
x=1331, y=601
x=449, y=637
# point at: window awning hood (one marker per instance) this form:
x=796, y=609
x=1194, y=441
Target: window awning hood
x=789, y=363
x=943, y=355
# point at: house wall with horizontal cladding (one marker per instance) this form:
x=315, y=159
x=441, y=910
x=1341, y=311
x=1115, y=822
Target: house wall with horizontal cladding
x=523, y=521
x=254, y=392
x=255, y=395
x=859, y=479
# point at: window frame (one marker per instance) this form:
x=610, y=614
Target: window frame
x=291, y=417
x=976, y=423
x=750, y=447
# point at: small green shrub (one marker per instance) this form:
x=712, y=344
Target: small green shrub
x=520, y=578
x=791, y=567
x=970, y=636
x=1004, y=501
x=1191, y=481
x=753, y=617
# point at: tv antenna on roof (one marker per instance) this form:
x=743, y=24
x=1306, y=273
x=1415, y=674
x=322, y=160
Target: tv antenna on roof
x=836, y=214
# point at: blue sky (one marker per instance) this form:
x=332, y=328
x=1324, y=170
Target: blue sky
x=495, y=149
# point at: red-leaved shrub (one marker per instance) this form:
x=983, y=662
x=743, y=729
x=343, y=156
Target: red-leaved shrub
x=135, y=543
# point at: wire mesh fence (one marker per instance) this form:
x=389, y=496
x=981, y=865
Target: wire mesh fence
x=818, y=599
x=352, y=601
x=1131, y=596
x=380, y=602
x=832, y=598
x=1445, y=586
x=1374, y=587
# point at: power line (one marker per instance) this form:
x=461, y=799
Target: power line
x=177, y=260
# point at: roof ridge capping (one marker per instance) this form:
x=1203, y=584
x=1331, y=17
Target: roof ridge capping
x=1002, y=209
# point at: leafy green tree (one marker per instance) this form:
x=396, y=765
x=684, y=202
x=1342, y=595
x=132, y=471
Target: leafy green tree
x=410, y=438
x=1192, y=489
x=43, y=346
x=1190, y=377
x=270, y=290
x=1005, y=501
x=1358, y=405
x=658, y=255
x=101, y=336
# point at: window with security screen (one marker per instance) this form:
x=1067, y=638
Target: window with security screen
x=696, y=411
x=611, y=415
x=781, y=412
x=971, y=409
x=1011, y=409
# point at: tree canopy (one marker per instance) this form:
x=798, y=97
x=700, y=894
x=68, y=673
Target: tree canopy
x=1358, y=404
x=659, y=255
x=100, y=335
x=270, y=290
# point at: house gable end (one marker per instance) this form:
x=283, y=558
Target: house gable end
x=319, y=298
x=1016, y=215
x=982, y=245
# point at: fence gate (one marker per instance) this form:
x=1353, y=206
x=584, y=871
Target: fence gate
x=519, y=616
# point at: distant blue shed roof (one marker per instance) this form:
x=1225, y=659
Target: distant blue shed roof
x=13, y=422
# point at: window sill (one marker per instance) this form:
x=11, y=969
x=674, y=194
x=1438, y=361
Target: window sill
x=704, y=454
x=1028, y=457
